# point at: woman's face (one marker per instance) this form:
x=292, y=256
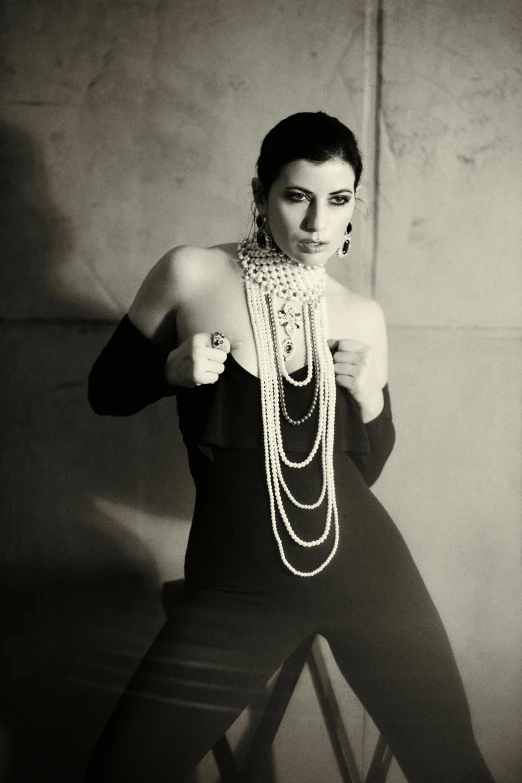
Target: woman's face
x=309, y=207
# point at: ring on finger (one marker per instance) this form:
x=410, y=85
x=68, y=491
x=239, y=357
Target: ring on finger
x=217, y=339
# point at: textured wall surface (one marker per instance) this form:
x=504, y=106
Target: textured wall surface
x=449, y=276
x=129, y=126
x=457, y=463
x=451, y=170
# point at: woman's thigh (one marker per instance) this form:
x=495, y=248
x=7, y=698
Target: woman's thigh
x=199, y=674
x=393, y=650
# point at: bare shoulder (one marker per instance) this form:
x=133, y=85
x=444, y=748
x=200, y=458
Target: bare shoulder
x=365, y=307
x=179, y=276
x=351, y=306
x=187, y=267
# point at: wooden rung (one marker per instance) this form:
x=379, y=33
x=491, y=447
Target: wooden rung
x=332, y=717
x=275, y=709
x=225, y=761
x=380, y=763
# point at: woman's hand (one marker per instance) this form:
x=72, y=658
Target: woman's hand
x=355, y=370
x=195, y=362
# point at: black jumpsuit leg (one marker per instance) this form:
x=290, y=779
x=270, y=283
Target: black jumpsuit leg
x=391, y=646
x=200, y=673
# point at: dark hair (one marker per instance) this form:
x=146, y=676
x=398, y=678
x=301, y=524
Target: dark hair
x=313, y=136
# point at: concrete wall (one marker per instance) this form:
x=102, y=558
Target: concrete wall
x=449, y=276
x=129, y=126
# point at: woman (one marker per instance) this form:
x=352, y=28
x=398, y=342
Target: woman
x=281, y=381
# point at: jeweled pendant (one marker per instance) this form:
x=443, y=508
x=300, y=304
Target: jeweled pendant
x=289, y=319
x=288, y=348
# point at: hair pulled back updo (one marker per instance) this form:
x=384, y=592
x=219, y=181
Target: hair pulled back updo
x=312, y=136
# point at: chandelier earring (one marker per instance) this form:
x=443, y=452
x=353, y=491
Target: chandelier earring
x=264, y=237
x=347, y=241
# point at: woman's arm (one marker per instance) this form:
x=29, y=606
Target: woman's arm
x=130, y=373
x=142, y=361
x=166, y=286
x=361, y=366
x=381, y=439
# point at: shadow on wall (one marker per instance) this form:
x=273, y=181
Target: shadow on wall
x=38, y=239
x=95, y=509
x=76, y=483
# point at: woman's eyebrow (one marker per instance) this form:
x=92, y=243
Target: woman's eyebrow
x=305, y=190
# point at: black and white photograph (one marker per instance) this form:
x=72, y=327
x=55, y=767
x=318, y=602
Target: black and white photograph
x=261, y=340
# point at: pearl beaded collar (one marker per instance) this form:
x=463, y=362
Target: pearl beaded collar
x=275, y=273
x=268, y=273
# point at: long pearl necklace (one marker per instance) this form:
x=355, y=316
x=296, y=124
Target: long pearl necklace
x=265, y=274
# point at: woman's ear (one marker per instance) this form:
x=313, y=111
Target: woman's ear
x=259, y=195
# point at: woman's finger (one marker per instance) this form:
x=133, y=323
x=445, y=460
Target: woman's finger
x=348, y=372
x=216, y=354
x=215, y=367
x=205, y=367
x=346, y=381
x=347, y=356
x=210, y=377
x=225, y=343
x=347, y=344
x=344, y=368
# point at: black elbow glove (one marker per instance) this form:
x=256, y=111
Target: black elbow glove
x=129, y=374
x=381, y=438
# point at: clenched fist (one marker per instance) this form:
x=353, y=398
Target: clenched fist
x=355, y=370
x=195, y=362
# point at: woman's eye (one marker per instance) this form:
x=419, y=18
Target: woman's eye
x=297, y=197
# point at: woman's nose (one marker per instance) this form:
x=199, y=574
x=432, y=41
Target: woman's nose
x=316, y=217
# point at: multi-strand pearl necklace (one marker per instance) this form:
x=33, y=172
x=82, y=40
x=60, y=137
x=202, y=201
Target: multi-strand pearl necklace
x=267, y=273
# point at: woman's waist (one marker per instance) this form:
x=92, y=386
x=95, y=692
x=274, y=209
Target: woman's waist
x=234, y=480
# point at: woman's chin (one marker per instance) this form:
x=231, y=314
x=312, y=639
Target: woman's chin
x=315, y=258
